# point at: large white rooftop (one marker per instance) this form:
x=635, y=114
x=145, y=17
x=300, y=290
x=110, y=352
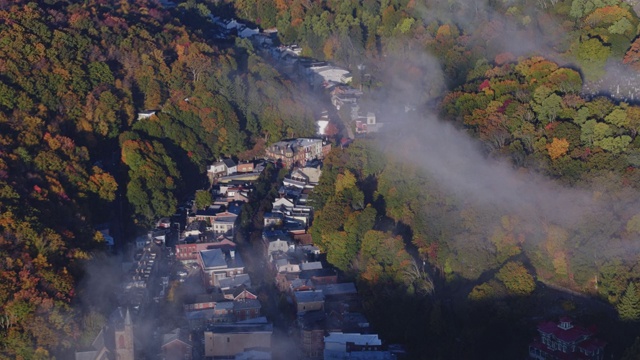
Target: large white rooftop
x=356, y=338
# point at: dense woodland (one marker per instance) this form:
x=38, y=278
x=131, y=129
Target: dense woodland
x=73, y=76
x=73, y=155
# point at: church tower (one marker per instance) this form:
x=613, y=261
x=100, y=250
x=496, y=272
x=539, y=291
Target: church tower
x=124, y=339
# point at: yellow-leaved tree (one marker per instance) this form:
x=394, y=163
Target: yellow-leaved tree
x=557, y=148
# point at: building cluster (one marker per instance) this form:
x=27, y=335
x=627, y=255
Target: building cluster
x=225, y=314
x=332, y=79
x=297, y=151
x=329, y=320
x=223, y=319
x=348, y=97
x=564, y=340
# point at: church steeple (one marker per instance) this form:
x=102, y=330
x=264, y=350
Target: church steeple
x=124, y=339
x=127, y=319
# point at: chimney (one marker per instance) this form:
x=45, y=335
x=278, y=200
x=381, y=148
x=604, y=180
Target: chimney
x=232, y=253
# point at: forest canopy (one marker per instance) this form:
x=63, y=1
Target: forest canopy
x=74, y=152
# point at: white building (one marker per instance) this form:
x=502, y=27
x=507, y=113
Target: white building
x=322, y=127
x=146, y=114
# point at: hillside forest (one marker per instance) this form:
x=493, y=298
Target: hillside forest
x=446, y=269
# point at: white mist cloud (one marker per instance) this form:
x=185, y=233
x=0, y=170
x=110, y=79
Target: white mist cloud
x=457, y=163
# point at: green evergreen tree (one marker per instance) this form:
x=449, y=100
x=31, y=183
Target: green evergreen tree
x=629, y=305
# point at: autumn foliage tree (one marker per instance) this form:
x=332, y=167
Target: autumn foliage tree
x=516, y=278
x=557, y=148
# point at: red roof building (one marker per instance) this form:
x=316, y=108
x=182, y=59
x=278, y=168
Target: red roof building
x=189, y=252
x=565, y=341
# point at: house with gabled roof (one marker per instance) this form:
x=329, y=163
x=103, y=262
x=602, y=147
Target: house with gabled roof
x=282, y=205
x=176, y=345
x=279, y=245
x=240, y=292
x=224, y=223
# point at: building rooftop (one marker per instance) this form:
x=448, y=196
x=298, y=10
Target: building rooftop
x=254, y=354
x=308, y=274
x=257, y=320
x=359, y=355
x=246, y=304
x=204, y=298
x=308, y=296
x=240, y=328
x=200, y=314
x=234, y=281
x=299, y=283
x=176, y=334
x=570, y=334
x=315, y=265
x=338, y=289
x=229, y=163
x=355, y=338
x=213, y=258
x=347, y=322
x=212, y=210
x=312, y=320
